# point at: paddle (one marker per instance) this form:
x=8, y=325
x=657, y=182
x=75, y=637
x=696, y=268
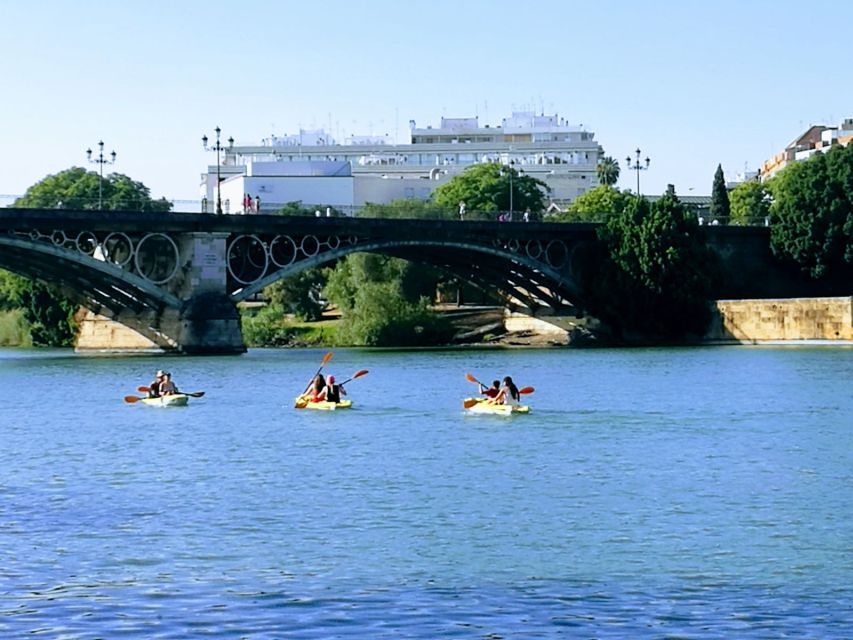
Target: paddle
x=302, y=400
x=471, y=378
x=132, y=399
x=357, y=374
x=470, y=402
x=191, y=394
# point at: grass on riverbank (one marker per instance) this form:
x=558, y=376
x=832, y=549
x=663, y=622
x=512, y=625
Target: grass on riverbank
x=268, y=327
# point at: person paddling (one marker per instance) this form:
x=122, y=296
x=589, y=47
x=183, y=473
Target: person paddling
x=508, y=393
x=167, y=387
x=490, y=392
x=154, y=387
x=333, y=392
x=316, y=390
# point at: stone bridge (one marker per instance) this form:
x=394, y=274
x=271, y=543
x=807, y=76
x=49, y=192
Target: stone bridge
x=176, y=278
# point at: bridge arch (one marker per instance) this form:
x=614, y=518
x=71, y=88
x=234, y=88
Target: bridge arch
x=519, y=275
x=97, y=285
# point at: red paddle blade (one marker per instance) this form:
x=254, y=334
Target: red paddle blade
x=526, y=390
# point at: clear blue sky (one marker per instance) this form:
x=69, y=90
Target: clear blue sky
x=693, y=84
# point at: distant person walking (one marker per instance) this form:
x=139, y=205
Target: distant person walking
x=257, y=204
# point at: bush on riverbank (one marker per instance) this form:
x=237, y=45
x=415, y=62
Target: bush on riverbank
x=14, y=329
x=268, y=326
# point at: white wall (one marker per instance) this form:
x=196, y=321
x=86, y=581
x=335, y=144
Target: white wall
x=277, y=191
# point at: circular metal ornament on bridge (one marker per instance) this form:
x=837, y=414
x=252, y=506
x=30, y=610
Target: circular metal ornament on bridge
x=117, y=248
x=58, y=238
x=513, y=245
x=333, y=242
x=352, y=239
x=86, y=242
x=533, y=249
x=156, y=258
x=283, y=251
x=247, y=259
x=556, y=254
x=310, y=246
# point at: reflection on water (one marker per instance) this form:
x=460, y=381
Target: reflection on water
x=651, y=493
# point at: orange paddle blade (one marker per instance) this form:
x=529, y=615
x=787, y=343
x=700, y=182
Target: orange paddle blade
x=143, y=389
x=471, y=378
x=469, y=402
x=327, y=357
x=358, y=374
x=526, y=390
x=131, y=399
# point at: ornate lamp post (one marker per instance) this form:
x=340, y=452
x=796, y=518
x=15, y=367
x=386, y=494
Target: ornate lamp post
x=100, y=160
x=509, y=170
x=217, y=147
x=636, y=166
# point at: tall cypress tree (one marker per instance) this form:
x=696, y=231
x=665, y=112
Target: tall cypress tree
x=720, y=209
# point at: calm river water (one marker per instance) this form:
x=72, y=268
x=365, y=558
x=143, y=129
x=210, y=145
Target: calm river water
x=690, y=493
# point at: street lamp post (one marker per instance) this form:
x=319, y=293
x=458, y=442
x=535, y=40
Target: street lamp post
x=637, y=166
x=510, y=171
x=217, y=147
x=100, y=160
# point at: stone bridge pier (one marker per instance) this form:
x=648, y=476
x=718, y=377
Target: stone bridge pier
x=201, y=320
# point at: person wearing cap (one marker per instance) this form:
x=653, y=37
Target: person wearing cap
x=154, y=387
x=333, y=391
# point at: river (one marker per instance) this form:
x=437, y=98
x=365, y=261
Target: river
x=651, y=493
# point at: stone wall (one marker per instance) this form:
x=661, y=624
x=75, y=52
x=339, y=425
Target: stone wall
x=790, y=319
x=98, y=333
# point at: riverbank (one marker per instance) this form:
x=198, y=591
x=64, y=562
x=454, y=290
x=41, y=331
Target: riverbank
x=786, y=321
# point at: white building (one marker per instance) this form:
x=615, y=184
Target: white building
x=310, y=167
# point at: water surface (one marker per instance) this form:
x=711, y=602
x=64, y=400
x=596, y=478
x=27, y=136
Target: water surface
x=701, y=493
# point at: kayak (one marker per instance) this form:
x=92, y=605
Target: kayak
x=174, y=400
x=322, y=406
x=496, y=409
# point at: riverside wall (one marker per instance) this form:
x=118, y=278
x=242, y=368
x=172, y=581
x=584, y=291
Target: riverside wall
x=784, y=319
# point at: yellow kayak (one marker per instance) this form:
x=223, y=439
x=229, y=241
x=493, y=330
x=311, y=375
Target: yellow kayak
x=482, y=406
x=174, y=400
x=302, y=402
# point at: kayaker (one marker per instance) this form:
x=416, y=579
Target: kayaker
x=508, y=393
x=317, y=388
x=333, y=392
x=491, y=392
x=154, y=387
x=167, y=387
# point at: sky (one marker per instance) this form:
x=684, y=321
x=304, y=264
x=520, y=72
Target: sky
x=693, y=84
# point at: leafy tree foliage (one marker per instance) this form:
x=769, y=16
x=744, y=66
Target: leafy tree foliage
x=77, y=188
x=296, y=208
x=300, y=294
x=49, y=313
x=608, y=171
x=596, y=205
x=380, y=305
x=656, y=273
x=812, y=214
x=486, y=188
x=407, y=208
x=720, y=208
x=750, y=203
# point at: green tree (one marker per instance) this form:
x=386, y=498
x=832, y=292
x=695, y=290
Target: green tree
x=380, y=306
x=49, y=313
x=596, y=205
x=750, y=203
x=486, y=188
x=76, y=188
x=608, y=171
x=654, y=274
x=407, y=208
x=300, y=294
x=812, y=214
x=720, y=209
